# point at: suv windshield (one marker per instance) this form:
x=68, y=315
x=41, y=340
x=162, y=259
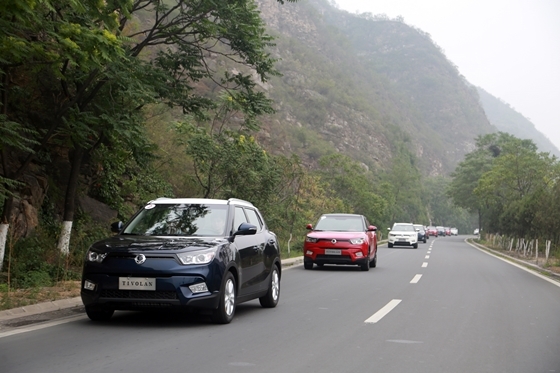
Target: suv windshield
x=179, y=220
x=340, y=224
x=402, y=227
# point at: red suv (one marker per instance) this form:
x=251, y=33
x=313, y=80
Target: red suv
x=341, y=239
x=432, y=231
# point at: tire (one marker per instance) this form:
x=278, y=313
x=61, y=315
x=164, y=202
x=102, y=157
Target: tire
x=424, y=239
x=307, y=265
x=415, y=245
x=373, y=263
x=365, y=265
x=270, y=300
x=99, y=314
x=390, y=245
x=226, y=308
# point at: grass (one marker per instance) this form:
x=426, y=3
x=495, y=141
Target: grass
x=14, y=298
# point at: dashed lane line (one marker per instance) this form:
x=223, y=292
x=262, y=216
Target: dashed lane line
x=376, y=317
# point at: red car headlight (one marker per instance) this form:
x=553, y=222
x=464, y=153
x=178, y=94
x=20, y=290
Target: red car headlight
x=357, y=241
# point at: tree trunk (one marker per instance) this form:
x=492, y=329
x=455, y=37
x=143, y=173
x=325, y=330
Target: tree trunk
x=70, y=200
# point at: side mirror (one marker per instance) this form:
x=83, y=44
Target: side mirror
x=388, y=229
x=246, y=229
x=309, y=227
x=116, y=227
x=372, y=228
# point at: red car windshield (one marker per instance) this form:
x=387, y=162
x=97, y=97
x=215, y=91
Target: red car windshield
x=341, y=224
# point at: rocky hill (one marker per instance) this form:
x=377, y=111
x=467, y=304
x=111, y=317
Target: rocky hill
x=366, y=86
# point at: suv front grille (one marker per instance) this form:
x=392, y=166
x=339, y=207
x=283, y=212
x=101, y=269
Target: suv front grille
x=137, y=294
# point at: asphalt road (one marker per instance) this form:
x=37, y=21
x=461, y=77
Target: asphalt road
x=444, y=307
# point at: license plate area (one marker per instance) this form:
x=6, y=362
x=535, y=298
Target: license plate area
x=137, y=283
x=333, y=251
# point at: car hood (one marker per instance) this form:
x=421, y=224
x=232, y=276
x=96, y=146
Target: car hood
x=336, y=235
x=122, y=243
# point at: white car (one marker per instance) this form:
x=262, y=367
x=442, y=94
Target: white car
x=403, y=234
x=476, y=231
x=454, y=231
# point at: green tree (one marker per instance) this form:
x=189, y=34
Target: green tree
x=513, y=186
x=354, y=185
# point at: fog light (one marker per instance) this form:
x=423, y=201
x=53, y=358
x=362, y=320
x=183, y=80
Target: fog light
x=88, y=285
x=359, y=254
x=309, y=252
x=199, y=288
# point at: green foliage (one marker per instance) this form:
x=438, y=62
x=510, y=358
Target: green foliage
x=353, y=184
x=511, y=185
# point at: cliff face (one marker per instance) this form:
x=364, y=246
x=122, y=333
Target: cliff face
x=367, y=86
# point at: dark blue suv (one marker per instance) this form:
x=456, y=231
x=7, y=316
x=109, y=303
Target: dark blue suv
x=191, y=253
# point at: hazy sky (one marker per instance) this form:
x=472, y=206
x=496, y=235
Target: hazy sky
x=510, y=48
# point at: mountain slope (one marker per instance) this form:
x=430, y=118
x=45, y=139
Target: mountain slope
x=368, y=87
x=507, y=119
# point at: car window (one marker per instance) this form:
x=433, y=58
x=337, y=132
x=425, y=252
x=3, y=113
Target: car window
x=402, y=227
x=254, y=218
x=179, y=220
x=239, y=218
x=341, y=224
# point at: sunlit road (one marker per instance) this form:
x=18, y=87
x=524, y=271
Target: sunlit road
x=444, y=307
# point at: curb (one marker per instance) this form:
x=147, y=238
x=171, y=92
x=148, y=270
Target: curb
x=38, y=308
x=57, y=305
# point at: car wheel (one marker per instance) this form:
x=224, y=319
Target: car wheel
x=390, y=245
x=270, y=300
x=226, y=308
x=307, y=264
x=373, y=263
x=99, y=314
x=424, y=240
x=415, y=245
x=365, y=265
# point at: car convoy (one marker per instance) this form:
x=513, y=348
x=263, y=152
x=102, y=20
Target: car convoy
x=212, y=254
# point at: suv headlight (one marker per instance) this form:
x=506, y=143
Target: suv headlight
x=357, y=241
x=311, y=239
x=197, y=257
x=93, y=256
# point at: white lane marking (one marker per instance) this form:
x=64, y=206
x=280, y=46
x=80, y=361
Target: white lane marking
x=41, y=326
x=383, y=312
x=427, y=257
x=416, y=279
x=424, y=265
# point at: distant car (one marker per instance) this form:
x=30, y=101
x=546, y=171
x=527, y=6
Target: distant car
x=476, y=231
x=341, y=239
x=432, y=231
x=440, y=230
x=422, y=236
x=447, y=231
x=403, y=234
x=184, y=253
x=454, y=231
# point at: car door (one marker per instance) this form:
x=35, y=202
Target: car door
x=250, y=254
